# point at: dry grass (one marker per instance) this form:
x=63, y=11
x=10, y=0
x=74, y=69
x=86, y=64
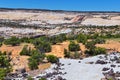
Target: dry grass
x=44, y=66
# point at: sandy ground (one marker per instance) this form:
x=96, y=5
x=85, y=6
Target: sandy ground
x=57, y=50
x=18, y=61
x=111, y=45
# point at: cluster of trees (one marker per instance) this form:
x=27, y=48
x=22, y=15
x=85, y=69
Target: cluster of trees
x=73, y=55
x=35, y=58
x=92, y=49
x=14, y=41
x=72, y=51
x=5, y=66
x=42, y=46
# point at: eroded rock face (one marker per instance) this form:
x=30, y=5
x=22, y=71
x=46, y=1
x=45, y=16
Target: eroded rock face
x=78, y=18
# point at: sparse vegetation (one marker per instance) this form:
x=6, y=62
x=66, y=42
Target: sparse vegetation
x=5, y=66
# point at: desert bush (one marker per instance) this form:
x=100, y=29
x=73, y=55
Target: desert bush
x=12, y=41
x=82, y=38
x=52, y=58
x=73, y=46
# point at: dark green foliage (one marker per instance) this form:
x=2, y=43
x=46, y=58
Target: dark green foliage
x=73, y=46
x=26, y=51
x=35, y=59
x=82, y=38
x=25, y=39
x=1, y=39
x=66, y=53
x=99, y=41
x=5, y=66
x=90, y=45
x=4, y=60
x=99, y=50
x=52, y=58
x=0, y=44
x=33, y=64
x=96, y=51
x=94, y=36
x=12, y=41
x=42, y=46
x=57, y=39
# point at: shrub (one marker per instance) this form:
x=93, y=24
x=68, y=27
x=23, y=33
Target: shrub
x=5, y=66
x=66, y=53
x=82, y=38
x=76, y=55
x=52, y=58
x=12, y=41
x=42, y=46
x=99, y=41
x=90, y=45
x=33, y=64
x=99, y=50
x=35, y=59
x=96, y=51
x=73, y=46
x=25, y=51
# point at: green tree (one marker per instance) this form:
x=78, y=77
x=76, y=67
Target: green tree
x=42, y=46
x=90, y=45
x=26, y=51
x=99, y=50
x=5, y=66
x=96, y=51
x=82, y=38
x=52, y=58
x=73, y=46
x=35, y=58
x=33, y=64
x=0, y=44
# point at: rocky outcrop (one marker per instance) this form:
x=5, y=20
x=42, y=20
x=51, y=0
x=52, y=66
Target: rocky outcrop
x=78, y=18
